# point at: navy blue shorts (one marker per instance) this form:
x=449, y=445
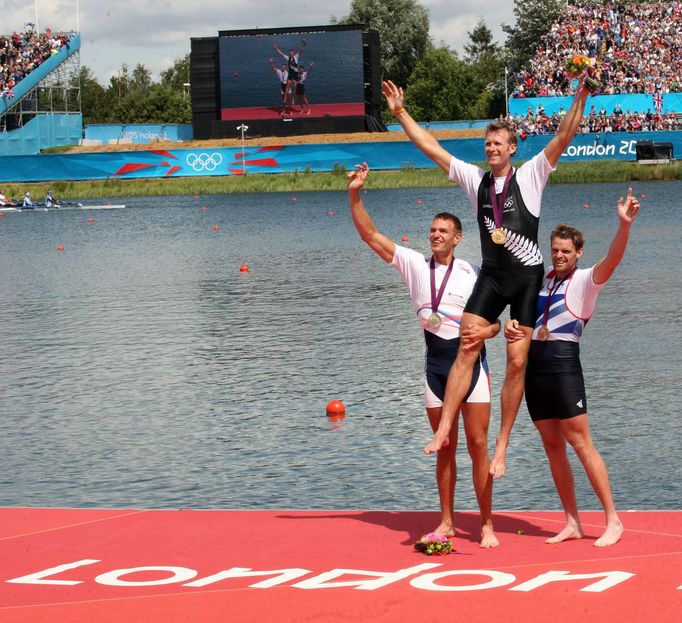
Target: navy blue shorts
x=555, y=387
x=440, y=355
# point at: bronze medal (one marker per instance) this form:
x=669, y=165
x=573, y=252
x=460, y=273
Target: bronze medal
x=435, y=321
x=543, y=333
x=498, y=236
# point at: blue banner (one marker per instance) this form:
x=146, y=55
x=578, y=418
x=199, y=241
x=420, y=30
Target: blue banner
x=137, y=133
x=44, y=130
x=641, y=102
x=300, y=158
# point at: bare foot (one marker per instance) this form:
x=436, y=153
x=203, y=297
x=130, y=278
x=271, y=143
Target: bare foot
x=498, y=464
x=443, y=528
x=611, y=535
x=571, y=532
x=488, y=538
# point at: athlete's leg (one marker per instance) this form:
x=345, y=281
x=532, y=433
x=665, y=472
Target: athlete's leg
x=555, y=448
x=577, y=433
x=476, y=417
x=291, y=87
x=510, y=398
x=446, y=475
x=459, y=380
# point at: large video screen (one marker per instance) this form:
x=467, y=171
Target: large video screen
x=291, y=74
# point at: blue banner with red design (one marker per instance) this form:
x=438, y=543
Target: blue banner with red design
x=300, y=158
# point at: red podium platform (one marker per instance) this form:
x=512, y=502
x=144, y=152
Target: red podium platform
x=62, y=565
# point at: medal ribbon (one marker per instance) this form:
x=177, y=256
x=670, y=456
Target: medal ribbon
x=552, y=291
x=498, y=206
x=435, y=298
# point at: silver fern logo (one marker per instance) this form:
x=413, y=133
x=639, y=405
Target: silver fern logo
x=523, y=249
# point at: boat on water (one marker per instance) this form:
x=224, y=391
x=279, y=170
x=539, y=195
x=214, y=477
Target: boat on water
x=64, y=206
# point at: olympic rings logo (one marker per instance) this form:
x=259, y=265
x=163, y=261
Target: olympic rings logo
x=204, y=162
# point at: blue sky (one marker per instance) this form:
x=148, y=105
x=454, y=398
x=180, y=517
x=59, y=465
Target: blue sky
x=157, y=32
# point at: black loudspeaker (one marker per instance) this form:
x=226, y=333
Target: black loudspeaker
x=650, y=150
x=663, y=151
x=644, y=150
x=205, y=81
x=372, y=75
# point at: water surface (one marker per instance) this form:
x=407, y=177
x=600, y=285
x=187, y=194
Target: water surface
x=141, y=368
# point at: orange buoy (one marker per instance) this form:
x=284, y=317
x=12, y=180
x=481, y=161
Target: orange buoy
x=216, y=227
x=90, y=219
x=586, y=205
x=336, y=407
x=244, y=268
x=60, y=247
x=405, y=238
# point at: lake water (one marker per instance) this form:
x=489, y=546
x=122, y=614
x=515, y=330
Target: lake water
x=141, y=368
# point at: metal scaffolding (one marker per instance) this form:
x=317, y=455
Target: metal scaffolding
x=59, y=92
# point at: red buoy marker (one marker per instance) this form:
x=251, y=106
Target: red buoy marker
x=216, y=227
x=331, y=213
x=420, y=202
x=336, y=407
x=244, y=268
x=60, y=247
x=405, y=238
x=586, y=205
x=90, y=219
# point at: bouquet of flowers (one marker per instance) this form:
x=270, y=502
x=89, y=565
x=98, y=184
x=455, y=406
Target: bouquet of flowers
x=579, y=64
x=434, y=545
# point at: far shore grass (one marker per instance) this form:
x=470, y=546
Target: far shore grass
x=567, y=173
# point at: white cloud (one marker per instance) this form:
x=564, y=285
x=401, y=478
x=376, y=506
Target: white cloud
x=157, y=32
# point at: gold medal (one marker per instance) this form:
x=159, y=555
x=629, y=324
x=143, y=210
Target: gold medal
x=435, y=321
x=498, y=235
x=543, y=333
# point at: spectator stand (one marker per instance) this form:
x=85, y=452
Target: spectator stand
x=39, y=75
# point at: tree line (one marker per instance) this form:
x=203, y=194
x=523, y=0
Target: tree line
x=439, y=84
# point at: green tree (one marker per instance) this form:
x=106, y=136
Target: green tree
x=157, y=104
x=442, y=87
x=488, y=60
x=178, y=75
x=94, y=100
x=403, y=27
x=119, y=85
x=141, y=79
x=534, y=18
x=481, y=45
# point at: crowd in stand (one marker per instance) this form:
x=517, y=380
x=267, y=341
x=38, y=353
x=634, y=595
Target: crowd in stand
x=21, y=53
x=637, y=46
x=538, y=122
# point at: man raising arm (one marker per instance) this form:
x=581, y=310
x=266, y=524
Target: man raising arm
x=439, y=288
x=506, y=202
x=555, y=389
